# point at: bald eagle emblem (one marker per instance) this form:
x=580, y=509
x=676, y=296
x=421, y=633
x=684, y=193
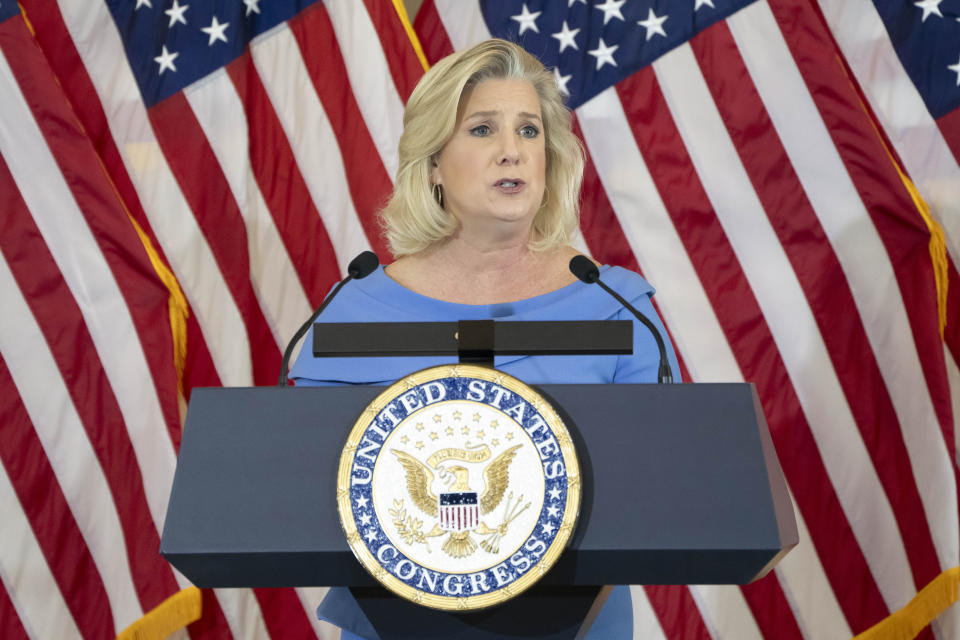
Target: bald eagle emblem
x=458, y=487
x=457, y=508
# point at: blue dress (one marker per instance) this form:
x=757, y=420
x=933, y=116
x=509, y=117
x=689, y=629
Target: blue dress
x=378, y=298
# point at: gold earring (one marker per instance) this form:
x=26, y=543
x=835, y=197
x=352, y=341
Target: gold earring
x=438, y=193
x=546, y=197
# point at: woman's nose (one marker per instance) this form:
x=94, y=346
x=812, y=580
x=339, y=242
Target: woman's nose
x=509, y=151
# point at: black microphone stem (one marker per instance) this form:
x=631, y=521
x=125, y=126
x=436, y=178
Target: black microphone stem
x=664, y=374
x=285, y=363
x=586, y=271
x=360, y=267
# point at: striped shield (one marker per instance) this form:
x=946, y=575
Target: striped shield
x=459, y=511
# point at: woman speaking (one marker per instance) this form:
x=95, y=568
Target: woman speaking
x=480, y=222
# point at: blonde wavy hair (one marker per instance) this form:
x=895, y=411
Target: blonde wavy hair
x=413, y=219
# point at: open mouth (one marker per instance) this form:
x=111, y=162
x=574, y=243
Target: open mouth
x=509, y=184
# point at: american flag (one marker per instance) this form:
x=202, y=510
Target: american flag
x=249, y=142
x=733, y=163
x=906, y=57
x=182, y=182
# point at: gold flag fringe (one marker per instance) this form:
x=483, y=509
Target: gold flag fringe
x=172, y=614
x=414, y=40
x=176, y=303
x=938, y=248
x=909, y=621
x=938, y=243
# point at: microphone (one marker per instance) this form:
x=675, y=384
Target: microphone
x=583, y=267
x=360, y=267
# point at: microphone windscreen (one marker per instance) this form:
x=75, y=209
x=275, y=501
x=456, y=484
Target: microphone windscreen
x=583, y=267
x=363, y=265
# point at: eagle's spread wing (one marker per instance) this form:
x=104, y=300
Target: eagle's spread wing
x=419, y=478
x=497, y=478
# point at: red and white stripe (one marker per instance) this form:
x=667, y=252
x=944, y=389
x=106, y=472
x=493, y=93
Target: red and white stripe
x=928, y=148
x=254, y=194
x=738, y=173
x=459, y=517
x=737, y=185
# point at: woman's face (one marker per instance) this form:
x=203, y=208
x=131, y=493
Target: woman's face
x=492, y=170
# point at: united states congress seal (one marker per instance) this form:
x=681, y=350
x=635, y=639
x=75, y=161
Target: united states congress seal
x=458, y=487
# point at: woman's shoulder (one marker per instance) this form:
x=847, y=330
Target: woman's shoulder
x=622, y=280
x=626, y=282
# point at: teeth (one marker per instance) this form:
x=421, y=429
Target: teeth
x=508, y=184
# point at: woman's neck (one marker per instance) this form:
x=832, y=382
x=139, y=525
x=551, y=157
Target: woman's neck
x=471, y=272
x=471, y=256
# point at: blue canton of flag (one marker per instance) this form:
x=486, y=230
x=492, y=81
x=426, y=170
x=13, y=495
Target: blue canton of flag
x=171, y=45
x=8, y=9
x=592, y=45
x=926, y=36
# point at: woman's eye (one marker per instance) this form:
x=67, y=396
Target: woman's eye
x=529, y=131
x=480, y=130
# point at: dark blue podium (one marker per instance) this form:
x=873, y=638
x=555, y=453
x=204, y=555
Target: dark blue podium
x=681, y=485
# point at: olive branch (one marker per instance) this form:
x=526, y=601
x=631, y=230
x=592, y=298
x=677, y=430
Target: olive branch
x=409, y=528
